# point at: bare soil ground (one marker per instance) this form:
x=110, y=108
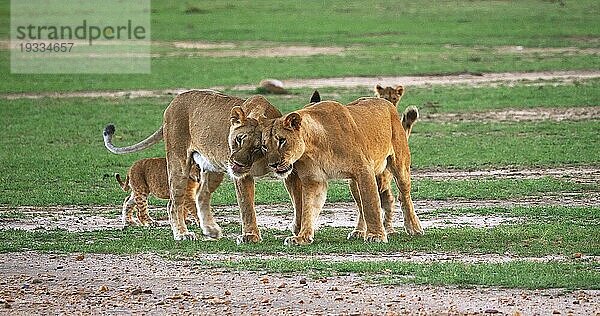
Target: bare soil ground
x=521, y=115
x=36, y=283
x=537, y=78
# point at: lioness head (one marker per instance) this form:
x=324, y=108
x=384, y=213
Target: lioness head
x=245, y=137
x=283, y=143
x=391, y=94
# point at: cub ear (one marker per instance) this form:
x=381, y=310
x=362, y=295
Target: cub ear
x=400, y=90
x=315, y=97
x=292, y=121
x=238, y=117
x=379, y=89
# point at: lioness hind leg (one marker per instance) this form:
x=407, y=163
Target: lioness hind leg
x=401, y=172
x=369, y=197
x=361, y=227
x=209, y=181
x=127, y=212
x=177, y=190
x=386, y=196
x=141, y=203
x=314, y=194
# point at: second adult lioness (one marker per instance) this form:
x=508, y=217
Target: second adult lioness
x=196, y=127
x=329, y=140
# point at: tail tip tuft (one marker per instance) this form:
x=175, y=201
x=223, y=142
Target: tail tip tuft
x=315, y=97
x=411, y=113
x=109, y=130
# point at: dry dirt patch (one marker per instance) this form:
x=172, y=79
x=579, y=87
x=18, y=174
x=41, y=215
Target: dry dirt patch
x=548, y=78
x=36, y=283
x=520, y=115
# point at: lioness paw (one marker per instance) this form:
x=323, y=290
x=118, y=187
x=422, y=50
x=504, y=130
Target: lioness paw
x=212, y=231
x=390, y=230
x=186, y=236
x=356, y=234
x=414, y=229
x=376, y=238
x=248, y=238
x=297, y=241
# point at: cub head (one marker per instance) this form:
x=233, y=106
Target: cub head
x=283, y=143
x=391, y=94
x=245, y=137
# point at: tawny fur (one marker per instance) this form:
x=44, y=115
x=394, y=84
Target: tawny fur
x=149, y=177
x=327, y=141
x=196, y=126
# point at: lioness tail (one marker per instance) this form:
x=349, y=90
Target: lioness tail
x=409, y=117
x=124, y=184
x=109, y=131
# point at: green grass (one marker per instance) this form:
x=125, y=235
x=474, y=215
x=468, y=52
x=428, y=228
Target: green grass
x=81, y=168
x=529, y=275
x=563, y=230
x=389, y=38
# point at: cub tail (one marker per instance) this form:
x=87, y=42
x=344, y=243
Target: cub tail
x=124, y=184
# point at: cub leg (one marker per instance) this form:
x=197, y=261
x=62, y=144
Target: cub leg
x=401, y=172
x=386, y=196
x=244, y=190
x=190, y=202
x=314, y=194
x=361, y=227
x=369, y=197
x=177, y=190
x=141, y=203
x=127, y=213
x=209, y=181
x=294, y=189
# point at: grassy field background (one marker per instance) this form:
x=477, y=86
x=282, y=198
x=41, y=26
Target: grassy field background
x=51, y=153
x=378, y=38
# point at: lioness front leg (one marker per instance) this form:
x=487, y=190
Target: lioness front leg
x=294, y=188
x=244, y=190
x=369, y=197
x=361, y=227
x=314, y=194
x=209, y=181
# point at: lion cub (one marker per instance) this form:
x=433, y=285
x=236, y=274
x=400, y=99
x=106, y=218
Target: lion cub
x=149, y=176
x=394, y=95
x=328, y=140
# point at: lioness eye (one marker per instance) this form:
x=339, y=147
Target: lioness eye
x=239, y=139
x=281, y=142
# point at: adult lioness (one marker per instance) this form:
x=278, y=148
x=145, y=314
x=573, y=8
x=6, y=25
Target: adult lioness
x=329, y=140
x=384, y=180
x=196, y=126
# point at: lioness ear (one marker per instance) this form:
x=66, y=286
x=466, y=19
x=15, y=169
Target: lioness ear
x=379, y=89
x=292, y=121
x=315, y=97
x=400, y=90
x=238, y=117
